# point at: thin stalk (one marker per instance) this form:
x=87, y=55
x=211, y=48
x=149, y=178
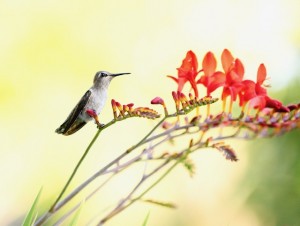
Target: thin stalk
x=52, y=208
x=65, y=216
x=208, y=111
x=224, y=105
x=121, y=208
x=56, y=206
x=230, y=105
x=75, y=170
x=79, y=163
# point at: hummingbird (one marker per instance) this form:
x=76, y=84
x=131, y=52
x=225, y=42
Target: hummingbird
x=90, y=105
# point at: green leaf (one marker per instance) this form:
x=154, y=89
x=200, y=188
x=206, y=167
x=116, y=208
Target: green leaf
x=189, y=165
x=32, y=214
x=75, y=219
x=146, y=219
x=164, y=204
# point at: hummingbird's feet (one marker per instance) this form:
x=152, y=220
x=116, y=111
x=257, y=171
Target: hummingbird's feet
x=92, y=113
x=99, y=125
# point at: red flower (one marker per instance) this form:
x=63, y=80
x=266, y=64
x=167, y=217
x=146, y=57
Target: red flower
x=211, y=79
x=187, y=72
x=258, y=102
x=254, y=91
x=257, y=96
x=234, y=72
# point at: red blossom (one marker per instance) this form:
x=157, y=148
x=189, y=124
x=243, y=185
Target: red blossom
x=234, y=73
x=257, y=96
x=187, y=72
x=227, y=60
x=258, y=102
x=253, y=92
x=211, y=79
x=130, y=105
x=158, y=100
x=230, y=78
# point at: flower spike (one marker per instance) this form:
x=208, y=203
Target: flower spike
x=127, y=111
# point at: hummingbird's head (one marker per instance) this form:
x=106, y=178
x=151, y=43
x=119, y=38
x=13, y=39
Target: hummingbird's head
x=103, y=78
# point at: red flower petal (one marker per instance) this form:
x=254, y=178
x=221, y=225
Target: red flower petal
x=190, y=62
x=261, y=74
x=216, y=80
x=194, y=87
x=172, y=77
x=258, y=102
x=260, y=90
x=234, y=92
x=249, y=90
x=209, y=64
x=226, y=92
x=227, y=60
x=239, y=69
x=203, y=80
x=187, y=72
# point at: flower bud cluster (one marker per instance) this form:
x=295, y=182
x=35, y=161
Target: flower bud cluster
x=125, y=111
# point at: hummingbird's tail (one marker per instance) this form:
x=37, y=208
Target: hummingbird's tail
x=77, y=125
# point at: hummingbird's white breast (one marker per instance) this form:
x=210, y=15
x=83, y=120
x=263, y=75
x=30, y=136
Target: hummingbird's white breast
x=96, y=102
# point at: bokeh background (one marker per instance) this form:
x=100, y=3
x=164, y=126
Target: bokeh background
x=49, y=53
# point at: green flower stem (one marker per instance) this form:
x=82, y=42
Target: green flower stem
x=102, y=170
x=75, y=170
x=52, y=208
x=79, y=163
x=56, y=206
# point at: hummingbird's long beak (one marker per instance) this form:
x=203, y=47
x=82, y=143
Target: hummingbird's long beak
x=118, y=74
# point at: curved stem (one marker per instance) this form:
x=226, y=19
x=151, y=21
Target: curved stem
x=75, y=170
x=56, y=206
x=52, y=208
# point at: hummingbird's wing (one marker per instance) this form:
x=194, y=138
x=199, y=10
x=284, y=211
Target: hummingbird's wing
x=73, y=123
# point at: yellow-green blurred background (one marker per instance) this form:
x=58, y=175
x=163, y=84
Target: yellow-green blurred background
x=49, y=53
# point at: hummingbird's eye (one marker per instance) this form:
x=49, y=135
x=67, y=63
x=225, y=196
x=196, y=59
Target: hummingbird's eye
x=103, y=74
